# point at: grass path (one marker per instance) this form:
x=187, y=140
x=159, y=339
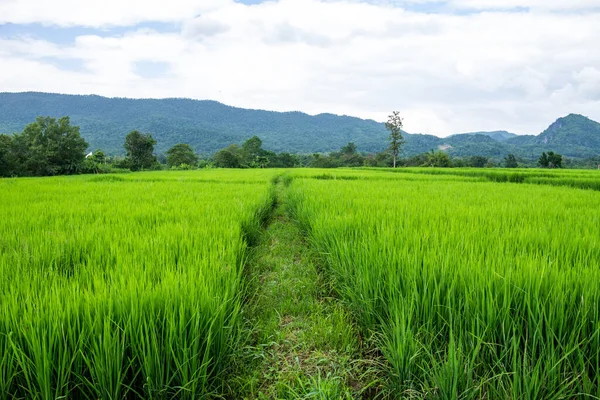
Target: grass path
x=301, y=343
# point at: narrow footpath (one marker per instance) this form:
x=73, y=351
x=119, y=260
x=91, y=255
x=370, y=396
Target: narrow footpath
x=301, y=343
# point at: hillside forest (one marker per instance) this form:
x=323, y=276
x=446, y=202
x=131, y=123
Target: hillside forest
x=50, y=146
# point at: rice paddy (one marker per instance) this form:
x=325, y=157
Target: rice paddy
x=122, y=286
x=471, y=289
x=466, y=284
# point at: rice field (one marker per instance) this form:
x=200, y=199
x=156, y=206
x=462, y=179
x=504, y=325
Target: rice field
x=471, y=289
x=123, y=286
x=469, y=284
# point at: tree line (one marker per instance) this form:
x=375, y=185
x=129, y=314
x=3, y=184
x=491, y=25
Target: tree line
x=49, y=147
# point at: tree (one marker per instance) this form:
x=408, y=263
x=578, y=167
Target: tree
x=285, y=160
x=261, y=162
x=459, y=163
x=6, y=167
x=253, y=155
x=349, y=157
x=510, y=161
x=321, y=161
x=228, y=157
x=419, y=160
x=140, y=149
x=550, y=160
x=554, y=160
x=383, y=159
x=96, y=163
x=349, y=149
x=543, y=161
x=48, y=147
x=394, y=125
x=67, y=149
x=181, y=154
x=252, y=147
x=99, y=157
x=438, y=159
x=478, y=161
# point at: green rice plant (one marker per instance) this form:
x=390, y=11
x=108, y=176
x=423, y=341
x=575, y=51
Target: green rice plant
x=582, y=179
x=574, y=182
x=473, y=289
x=124, y=286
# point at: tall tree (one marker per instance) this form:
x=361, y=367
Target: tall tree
x=477, y=161
x=554, y=160
x=99, y=156
x=253, y=155
x=95, y=163
x=394, y=125
x=438, y=159
x=228, y=157
x=510, y=161
x=543, y=160
x=349, y=149
x=253, y=147
x=349, y=157
x=140, y=149
x=550, y=160
x=181, y=154
x=286, y=160
x=6, y=167
x=49, y=147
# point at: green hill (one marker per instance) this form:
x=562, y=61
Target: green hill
x=209, y=126
x=206, y=125
x=574, y=136
x=496, y=135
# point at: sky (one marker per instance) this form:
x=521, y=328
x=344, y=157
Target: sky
x=448, y=66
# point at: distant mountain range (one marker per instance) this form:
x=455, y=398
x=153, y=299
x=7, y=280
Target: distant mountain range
x=209, y=126
x=499, y=136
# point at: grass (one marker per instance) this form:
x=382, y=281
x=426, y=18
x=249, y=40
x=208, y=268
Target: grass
x=477, y=289
x=123, y=286
x=325, y=284
x=582, y=179
x=301, y=344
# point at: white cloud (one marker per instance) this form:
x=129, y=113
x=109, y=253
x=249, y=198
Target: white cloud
x=446, y=73
x=545, y=5
x=203, y=27
x=588, y=80
x=532, y=4
x=102, y=13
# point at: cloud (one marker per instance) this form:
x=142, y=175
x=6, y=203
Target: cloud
x=203, y=27
x=286, y=33
x=445, y=72
x=490, y=5
x=588, y=82
x=527, y=4
x=102, y=13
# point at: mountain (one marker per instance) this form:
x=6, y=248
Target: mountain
x=209, y=126
x=572, y=130
x=466, y=145
x=496, y=135
x=206, y=125
x=574, y=136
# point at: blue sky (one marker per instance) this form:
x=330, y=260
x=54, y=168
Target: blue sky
x=448, y=66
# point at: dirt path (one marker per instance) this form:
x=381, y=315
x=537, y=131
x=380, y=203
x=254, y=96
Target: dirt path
x=301, y=342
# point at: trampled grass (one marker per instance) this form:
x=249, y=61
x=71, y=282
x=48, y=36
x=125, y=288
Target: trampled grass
x=123, y=285
x=472, y=289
